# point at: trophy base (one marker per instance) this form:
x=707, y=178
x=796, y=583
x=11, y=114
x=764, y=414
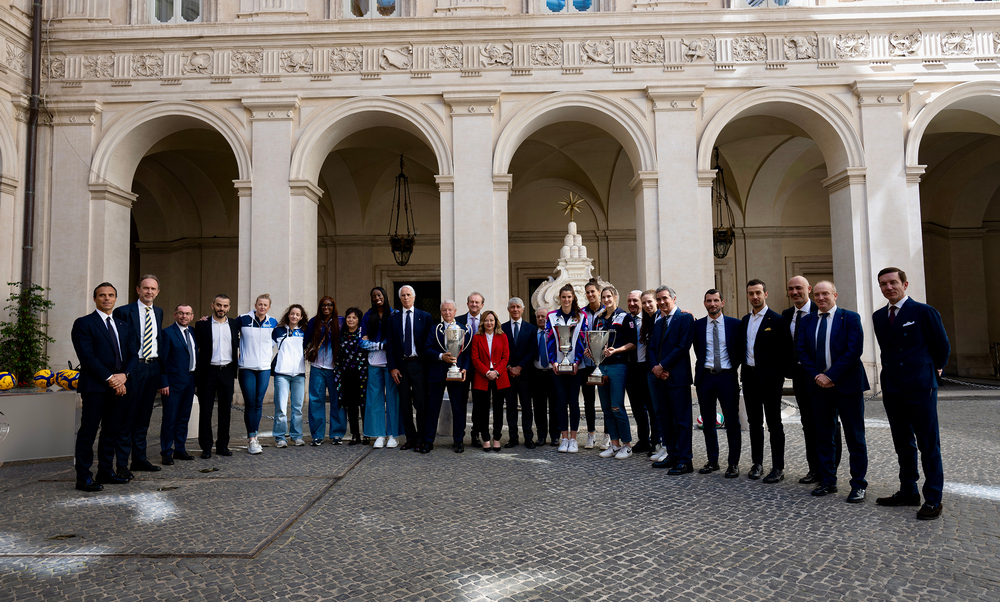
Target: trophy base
x=563, y=369
x=597, y=380
x=455, y=379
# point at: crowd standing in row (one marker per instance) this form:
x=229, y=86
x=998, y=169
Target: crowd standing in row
x=390, y=369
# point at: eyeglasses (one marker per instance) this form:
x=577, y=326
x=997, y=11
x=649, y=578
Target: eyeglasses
x=326, y=305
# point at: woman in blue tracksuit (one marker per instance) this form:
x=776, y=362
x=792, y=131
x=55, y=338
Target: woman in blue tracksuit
x=289, y=376
x=615, y=367
x=322, y=348
x=255, y=365
x=567, y=384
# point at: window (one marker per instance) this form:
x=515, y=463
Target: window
x=568, y=6
x=175, y=11
x=363, y=9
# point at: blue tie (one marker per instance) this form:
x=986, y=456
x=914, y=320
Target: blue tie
x=821, y=343
x=543, y=354
x=407, y=334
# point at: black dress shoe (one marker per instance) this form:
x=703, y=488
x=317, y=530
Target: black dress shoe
x=641, y=447
x=809, y=479
x=475, y=441
x=407, y=445
x=125, y=474
x=899, y=499
x=682, y=468
x=183, y=456
x=553, y=443
x=929, y=512
x=857, y=496
x=166, y=460
x=756, y=472
x=529, y=444
x=223, y=452
x=426, y=448
x=775, y=476
x=497, y=449
x=144, y=466
x=732, y=472
x=665, y=464
x=88, y=485
x=511, y=443
x=110, y=479
x=205, y=455
x=354, y=441
x=459, y=447
x=709, y=468
x=824, y=490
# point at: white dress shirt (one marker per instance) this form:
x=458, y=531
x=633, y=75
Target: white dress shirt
x=829, y=330
x=752, y=328
x=190, y=345
x=222, y=343
x=805, y=312
x=489, y=348
x=408, y=317
x=899, y=305
x=710, y=345
x=154, y=350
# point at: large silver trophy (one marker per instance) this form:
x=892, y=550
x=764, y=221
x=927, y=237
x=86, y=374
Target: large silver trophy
x=452, y=339
x=597, y=342
x=564, y=338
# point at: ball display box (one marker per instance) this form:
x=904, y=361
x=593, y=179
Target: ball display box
x=37, y=424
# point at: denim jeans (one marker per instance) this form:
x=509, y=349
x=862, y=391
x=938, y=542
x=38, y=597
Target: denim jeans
x=567, y=389
x=253, y=385
x=382, y=405
x=321, y=382
x=285, y=386
x=613, y=402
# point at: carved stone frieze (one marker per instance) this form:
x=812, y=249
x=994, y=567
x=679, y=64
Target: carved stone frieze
x=98, y=66
x=546, y=54
x=54, y=67
x=344, y=58
x=695, y=50
x=448, y=56
x=907, y=45
x=396, y=58
x=852, y=46
x=800, y=48
x=646, y=52
x=147, y=65
x=295, y=61
x=497, y=55
x=957, y=43
x=246, y=62
x=598, y=51
x=16, y=59
x=199, y=63
x=996, y=42
x=749, y=49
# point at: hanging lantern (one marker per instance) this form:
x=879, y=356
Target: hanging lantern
x=401, y=243
x=723, y=233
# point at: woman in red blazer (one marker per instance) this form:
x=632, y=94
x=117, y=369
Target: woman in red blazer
x=489, y=362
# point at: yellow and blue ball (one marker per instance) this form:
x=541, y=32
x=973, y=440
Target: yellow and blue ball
x=7, y=381
x=67, y=379
x=44, y=378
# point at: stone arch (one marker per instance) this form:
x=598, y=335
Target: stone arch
x=982, y=97
x=576, y=106
x=9, y=164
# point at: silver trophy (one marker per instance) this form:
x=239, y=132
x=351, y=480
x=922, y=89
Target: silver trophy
x=564, y=337
x=452, y=339
x=597, y=342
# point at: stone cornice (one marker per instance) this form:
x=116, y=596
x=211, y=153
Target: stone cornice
x=74, y=112
x=271, y=107
x=914, y=173
x=446, y=183
x=851, y=175
x=706, y=177
x=502, y=182
x=644, y=179
x=110, y=192
x=674, y=99
x=884, y=92
x=244, y=188
x=307, y=189
x=170, y=246
x=8, y=184
x=472, y=102
x=784, y=232
x=953, y=233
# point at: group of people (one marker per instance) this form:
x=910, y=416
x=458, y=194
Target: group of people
x=391, y=369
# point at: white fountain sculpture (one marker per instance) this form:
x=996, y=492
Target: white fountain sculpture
x=574, y=267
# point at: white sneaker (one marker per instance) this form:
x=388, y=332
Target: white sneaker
x=299, y=443
x=607, y=442
x=563, y=445
x=591, y=441
x=392, y=442
x=379, y=443
x=253, y=447
x=281, y=443
x=610, y=452
x=659, y=456
x=624, y=452
x=573, y=446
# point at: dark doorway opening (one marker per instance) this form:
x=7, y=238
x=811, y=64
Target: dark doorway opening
x=428, y=294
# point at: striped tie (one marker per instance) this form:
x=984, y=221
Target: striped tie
x=147, y=336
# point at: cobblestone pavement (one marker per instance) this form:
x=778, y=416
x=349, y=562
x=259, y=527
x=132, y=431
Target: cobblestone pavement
x=353, y=523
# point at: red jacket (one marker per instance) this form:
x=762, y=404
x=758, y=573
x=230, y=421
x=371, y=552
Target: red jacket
x=481, y=360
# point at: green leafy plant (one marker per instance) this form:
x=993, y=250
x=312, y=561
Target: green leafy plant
x=23, y=339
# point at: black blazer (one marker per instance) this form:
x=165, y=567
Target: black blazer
x=176, y=356
x=735, y=344
x=671, y=348
x=130, y=314
x=793, y=357
x=847, y=343
x=394, y=343
x=203, y=343
x=96, y=349
x=913, y=349
x=437, y=371
x=772, y=347
x=525, y=348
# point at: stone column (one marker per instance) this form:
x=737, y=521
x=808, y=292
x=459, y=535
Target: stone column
x=11, y=229
x=446, y=188
x=647, y=231
x=479, y=228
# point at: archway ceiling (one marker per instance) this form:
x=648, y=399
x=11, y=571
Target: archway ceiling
x=962, y=181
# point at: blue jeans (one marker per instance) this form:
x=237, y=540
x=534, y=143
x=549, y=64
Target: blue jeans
x=253, y=385
x=567, y=389
x=285, y=386
x=381, y=405
x=321, y=381
x=613, y=403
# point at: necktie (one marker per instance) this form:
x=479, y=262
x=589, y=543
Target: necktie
x=190, y=344
x=543, y=354
x=474, y=324
x=821, y=343
x=892, y=315
x=517, y=327
x=716, y=348
x=798, y=317
x=147, y=335
x=118, y=351
x=407, y=335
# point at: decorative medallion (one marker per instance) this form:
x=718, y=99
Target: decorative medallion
x=16, y=59
x=344, y=58
x=646, y=52
x=702, y=48
x=904, y=45
x=197, y=62
x=800, y=48
x=247, y=61
x=147, y=65
x=54, y=67
x=546, y=54
x=448, y=56
x=750, y=49
x=852, y=45
x=598, y=51
x=294, y=61
x=956, y=43
x=98, y=66
x=496, y=55
x=396, y=58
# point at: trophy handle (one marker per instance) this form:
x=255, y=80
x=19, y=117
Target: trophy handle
x=442, y=341
x=612, y=337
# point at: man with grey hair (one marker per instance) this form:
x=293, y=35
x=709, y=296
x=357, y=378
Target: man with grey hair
x=404, y=350
x=439, y=360
x=523, y=343
x=669, y=353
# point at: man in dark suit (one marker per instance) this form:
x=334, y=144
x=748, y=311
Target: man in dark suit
x=915, y=350
x=409, y=329
x=145, y=323
x=522, y=338
x=830, y=343
x=107, y=353
x=438, y=362
x=763, y=374
x=218, y=342
x=542, y=386
x=475, y=302
x=636, y=383
x=798, y=290
x=718, y=349
x=179, y=355
x=669, y=354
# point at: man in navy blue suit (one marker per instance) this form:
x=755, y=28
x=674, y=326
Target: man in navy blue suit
x=830, y=343
x=438, y=362
x=107, y=354
x=718, y=347
x=522, y=338
x=179, y=353
x=669, y=354
x=409, y=329
x=915, y=350
x=145, y=322
x=763, y=374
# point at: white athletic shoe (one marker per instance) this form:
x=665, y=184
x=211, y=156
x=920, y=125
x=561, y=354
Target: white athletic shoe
x=253, y=447
x=299, y=443
x=659, y=456
x=610, y=452
x=281, y=443
x=563, y=446
x=607, y=442
x=624, y=452
x=573, y=446
x=591, y=441
x=392, y=442
x=379, y=443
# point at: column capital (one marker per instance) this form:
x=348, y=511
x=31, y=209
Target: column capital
x=706, y=177
x=445, y=183
x=271, y=107
x=74, y=112
x=644, y=179
x=112, y=193
x=847, y=177
x=885, y=92
x=914, y=173
x=306, y=189
x=674, y=99
x=472, y=102
x=243, y=187
x=8, y=185
x=502, y=182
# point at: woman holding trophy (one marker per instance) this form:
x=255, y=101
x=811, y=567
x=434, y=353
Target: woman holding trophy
x=565, y=332
x=592, y=291
x=609, y=344
x=490, y=354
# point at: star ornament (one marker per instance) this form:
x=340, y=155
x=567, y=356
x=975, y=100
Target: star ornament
x=571, y=205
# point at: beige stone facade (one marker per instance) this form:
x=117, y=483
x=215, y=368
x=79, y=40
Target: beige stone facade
x=255, y=149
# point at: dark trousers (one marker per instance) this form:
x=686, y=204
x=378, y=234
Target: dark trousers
x=435, y=397
x=520, y=388
x=176, y=414
x=762, y=396
x=543, y=400
x=589, y=397
x=802, y=385
x=213, y=381
x=829, y=404
x=134, y=427
x=913, y=421
x=567, y=391
x=646, y=426
x=481, y=411
x=412, y=390
x=100, y=411
x=724, y=388
x=673, y=411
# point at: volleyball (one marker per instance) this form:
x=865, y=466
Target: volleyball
x=67, y=379
x=44, y=378
x=719, y=421
x=7, y=381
